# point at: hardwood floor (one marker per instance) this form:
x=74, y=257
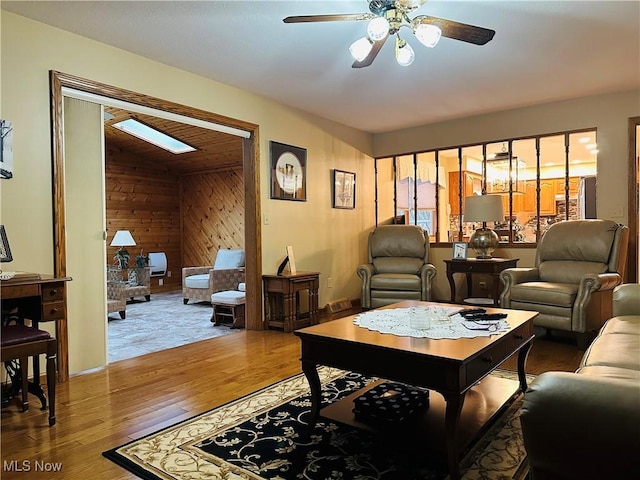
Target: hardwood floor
x=105, y=408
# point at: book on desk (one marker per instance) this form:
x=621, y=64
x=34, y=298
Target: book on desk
x=6, y=276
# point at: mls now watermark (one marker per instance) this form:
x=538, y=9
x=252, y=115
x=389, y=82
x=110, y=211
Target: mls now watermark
x=30, y=466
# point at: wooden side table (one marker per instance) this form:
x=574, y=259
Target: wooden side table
x=282, y=300
x=470, y=266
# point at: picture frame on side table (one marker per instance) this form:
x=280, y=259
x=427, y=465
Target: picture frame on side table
x=288, y=172
x=459, y=251
x=5, y=251
x=344, y=189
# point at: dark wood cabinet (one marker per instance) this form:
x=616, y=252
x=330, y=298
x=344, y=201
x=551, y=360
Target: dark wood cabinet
x=282, y=300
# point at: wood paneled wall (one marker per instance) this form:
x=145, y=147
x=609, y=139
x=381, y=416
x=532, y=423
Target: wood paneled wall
x=188, y=217
x=145, y=199
x=213, y=215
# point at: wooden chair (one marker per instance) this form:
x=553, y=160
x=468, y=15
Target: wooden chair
x=19, y=342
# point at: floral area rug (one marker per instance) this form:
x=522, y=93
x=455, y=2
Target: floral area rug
x=180, y=324
x=264, y=435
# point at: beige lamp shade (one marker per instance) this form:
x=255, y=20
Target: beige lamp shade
x=123, y=238
x=483, y=208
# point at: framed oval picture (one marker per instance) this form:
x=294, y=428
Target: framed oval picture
x=288, y=172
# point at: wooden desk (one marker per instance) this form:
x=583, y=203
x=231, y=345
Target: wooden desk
x=470, y=266
x=42, y=300
x=282, y=300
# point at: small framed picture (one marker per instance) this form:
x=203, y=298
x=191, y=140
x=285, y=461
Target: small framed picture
x=459, y=251
x=344, y=189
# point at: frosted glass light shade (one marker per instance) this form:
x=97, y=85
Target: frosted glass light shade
x=378, y=28
x=361, y=48
x=405, y=55
x=428, y=35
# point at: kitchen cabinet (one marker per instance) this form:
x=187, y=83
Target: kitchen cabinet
x=574, y=185
x=547, y=197
x=471, y=182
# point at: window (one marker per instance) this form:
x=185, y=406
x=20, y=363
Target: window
x=541, y=180
x=153, y=136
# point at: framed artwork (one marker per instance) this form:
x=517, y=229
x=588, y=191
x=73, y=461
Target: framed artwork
x=344, y=189
x=288, y=172
x=459, y=251
x=5, y=251
x=6, y=149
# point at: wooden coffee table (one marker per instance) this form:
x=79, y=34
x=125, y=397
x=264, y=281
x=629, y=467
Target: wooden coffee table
x=456, y=369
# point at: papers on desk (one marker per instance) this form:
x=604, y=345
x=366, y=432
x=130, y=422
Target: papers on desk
x=4, y=275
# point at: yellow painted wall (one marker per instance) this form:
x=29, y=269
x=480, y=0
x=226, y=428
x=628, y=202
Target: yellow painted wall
x=327, y=240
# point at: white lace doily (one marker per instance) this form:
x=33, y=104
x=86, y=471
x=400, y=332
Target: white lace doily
x=396, y=322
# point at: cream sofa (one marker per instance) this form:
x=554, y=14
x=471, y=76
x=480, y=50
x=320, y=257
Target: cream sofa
x=586, y=425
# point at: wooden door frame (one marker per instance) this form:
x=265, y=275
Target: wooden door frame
x=633, y=199
x=251, y=175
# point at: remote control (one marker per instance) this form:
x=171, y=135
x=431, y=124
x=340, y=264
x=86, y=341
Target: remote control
x=487, y=316
x=470, y=312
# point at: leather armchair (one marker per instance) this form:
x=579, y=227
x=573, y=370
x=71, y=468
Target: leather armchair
x=577, y=265
x=398, y=266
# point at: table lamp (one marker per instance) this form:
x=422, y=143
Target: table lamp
x=122, y=239
x=483, y=208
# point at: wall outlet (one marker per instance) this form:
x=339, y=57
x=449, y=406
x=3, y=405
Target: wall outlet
x=329, y=282
x=482, y=285
x=169, y=273
x=161, y=282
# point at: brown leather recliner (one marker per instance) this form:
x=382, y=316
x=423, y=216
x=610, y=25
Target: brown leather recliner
x=398, y=267
x=578, y=263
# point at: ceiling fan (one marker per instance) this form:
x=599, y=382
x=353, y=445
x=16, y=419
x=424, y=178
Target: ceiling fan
x=387, y=17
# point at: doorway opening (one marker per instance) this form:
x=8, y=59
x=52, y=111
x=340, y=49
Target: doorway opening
x=250, y=166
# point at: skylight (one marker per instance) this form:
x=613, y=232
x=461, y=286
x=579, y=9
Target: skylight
x=153, y=136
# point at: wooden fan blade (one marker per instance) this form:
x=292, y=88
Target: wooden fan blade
x=329, y=18
x=459, y=31
x=372, y=54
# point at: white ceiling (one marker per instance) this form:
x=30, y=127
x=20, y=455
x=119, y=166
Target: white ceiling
x=543, y=51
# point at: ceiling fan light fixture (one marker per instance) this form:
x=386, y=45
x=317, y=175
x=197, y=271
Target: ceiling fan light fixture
x=378, y=28
x=404, y=53
x=427, y=34
x=361, y=48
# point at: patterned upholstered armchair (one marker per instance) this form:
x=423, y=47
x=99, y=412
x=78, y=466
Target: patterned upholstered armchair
x=199, y=283
x=116, y=294
x=137, y=281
